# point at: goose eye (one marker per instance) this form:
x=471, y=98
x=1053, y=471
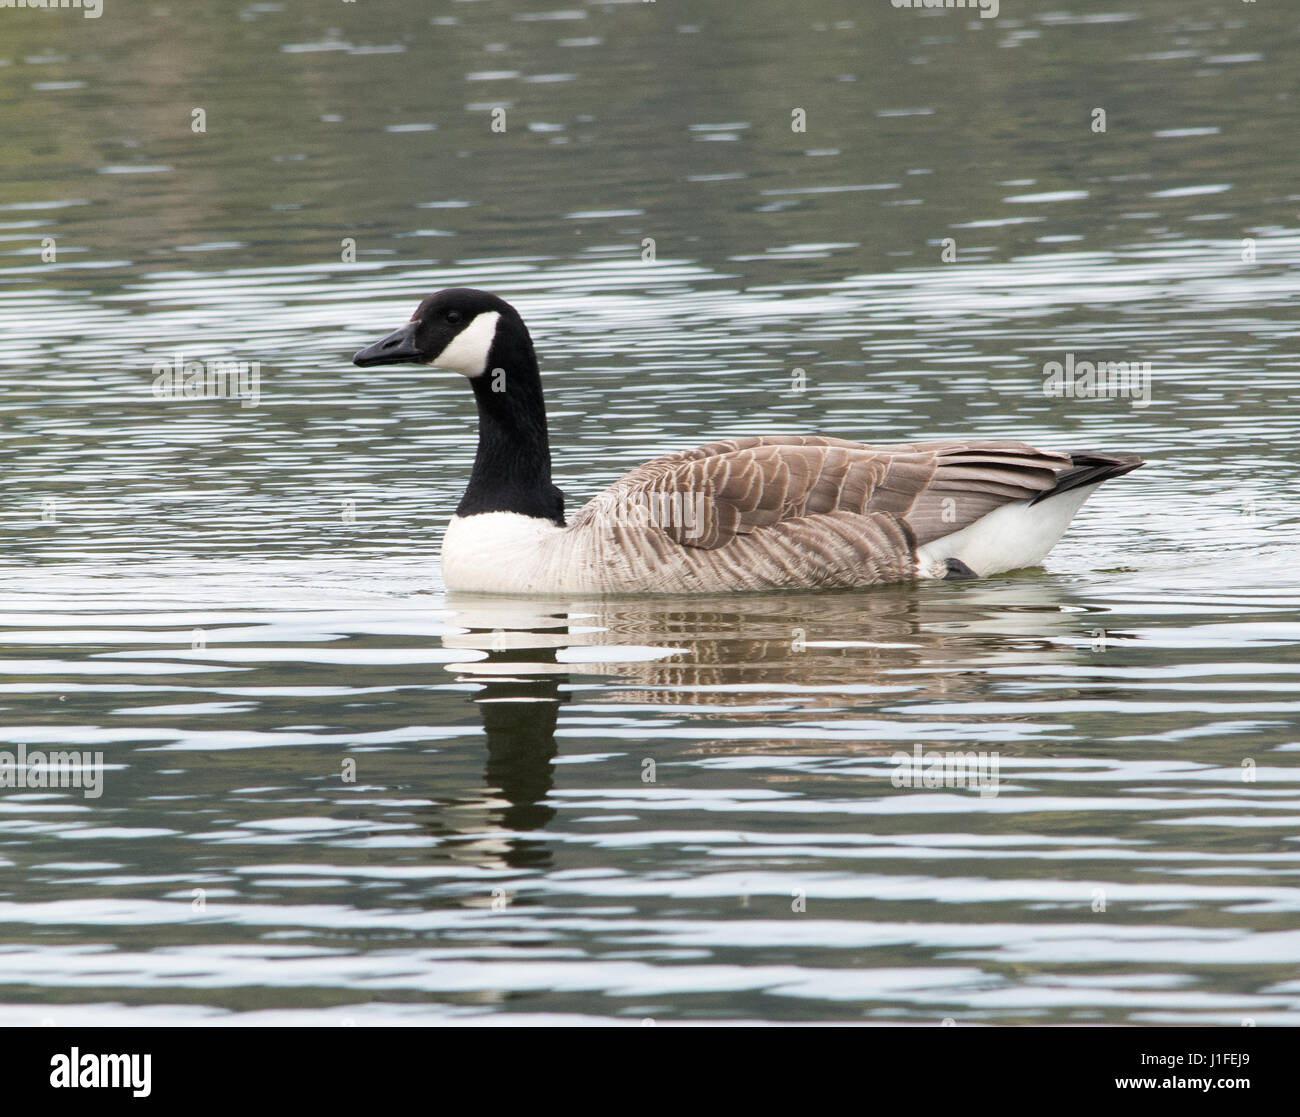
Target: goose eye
x=453, y=316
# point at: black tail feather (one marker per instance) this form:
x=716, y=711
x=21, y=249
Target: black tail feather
x=1090, y=469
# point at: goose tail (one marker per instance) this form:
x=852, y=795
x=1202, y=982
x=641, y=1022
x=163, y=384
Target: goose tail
x=1021, y=532
x=1090, y=469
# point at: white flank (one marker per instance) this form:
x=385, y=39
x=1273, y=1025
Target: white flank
x=498, y=552
x=1008, y=538
x=467, y=352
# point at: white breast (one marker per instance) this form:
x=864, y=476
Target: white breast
x=500, y=552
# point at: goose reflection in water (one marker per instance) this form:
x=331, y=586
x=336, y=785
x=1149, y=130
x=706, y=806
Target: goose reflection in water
x=766, y=658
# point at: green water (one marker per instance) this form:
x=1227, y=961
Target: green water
x=332, y=793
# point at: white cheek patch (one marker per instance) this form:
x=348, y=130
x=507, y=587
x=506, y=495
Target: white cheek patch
x=467, y=352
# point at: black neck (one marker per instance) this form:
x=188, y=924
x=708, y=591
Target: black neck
x=512, y=468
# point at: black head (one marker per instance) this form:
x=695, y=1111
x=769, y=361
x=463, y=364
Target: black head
x=474, y=333
x=454, y=329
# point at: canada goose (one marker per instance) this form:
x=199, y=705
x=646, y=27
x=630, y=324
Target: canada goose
x=769, y=512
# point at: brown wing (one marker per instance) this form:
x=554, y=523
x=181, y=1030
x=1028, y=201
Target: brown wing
x=708, y=496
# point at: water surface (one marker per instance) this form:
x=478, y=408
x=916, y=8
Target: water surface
x=334, y=793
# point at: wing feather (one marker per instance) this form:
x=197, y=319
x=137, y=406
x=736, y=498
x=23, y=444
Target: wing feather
x=823, y=494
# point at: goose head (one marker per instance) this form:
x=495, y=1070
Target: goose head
x=458, y=330
x=484, y=339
